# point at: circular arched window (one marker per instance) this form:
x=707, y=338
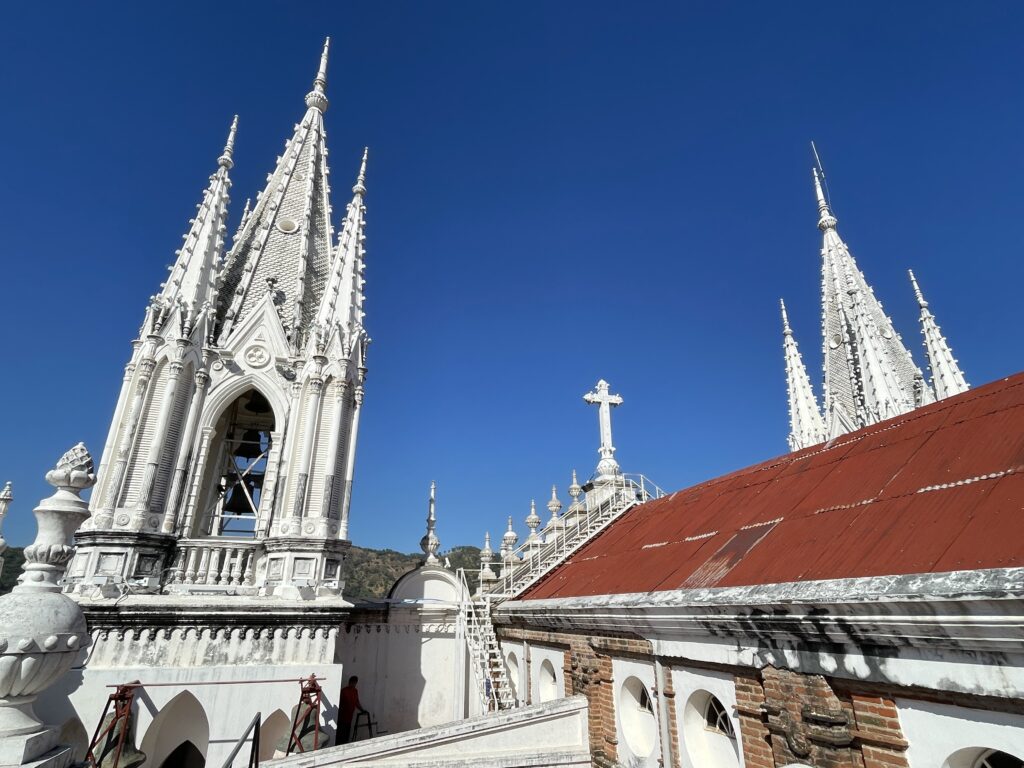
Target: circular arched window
x=547, y=682
x=717, y=719
x=993, y=758
x=708, y=732
x=636, y=717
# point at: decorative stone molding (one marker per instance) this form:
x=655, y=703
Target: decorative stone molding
x=41, y=630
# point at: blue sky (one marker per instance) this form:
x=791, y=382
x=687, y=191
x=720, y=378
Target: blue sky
x=558, y=192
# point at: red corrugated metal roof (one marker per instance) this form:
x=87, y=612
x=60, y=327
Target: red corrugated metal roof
x=939, y=489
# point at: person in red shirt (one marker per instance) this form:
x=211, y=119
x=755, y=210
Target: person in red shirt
x=349, y=706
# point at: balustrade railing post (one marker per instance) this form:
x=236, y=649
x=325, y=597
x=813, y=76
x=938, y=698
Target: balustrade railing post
x=225, y=571
x=204, y=563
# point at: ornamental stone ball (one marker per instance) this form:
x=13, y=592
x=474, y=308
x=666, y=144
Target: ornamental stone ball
x=42, y=630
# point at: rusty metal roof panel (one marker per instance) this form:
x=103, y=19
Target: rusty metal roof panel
x=994, y=535
x=964, y=449
x=862, y=475
x=939, y=489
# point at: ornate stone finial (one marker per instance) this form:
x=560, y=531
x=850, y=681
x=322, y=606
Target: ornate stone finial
x=6, y=497
x=486, y=558
x=226, y=160
x=58, y=517
x=605, y=401
x=509, y=540
x=360, y=186
x=554, y=506
x=317, y=98
x=430, y=543
x=532, y=521
x=42, y=630
x=575, y=489
x=825, y=218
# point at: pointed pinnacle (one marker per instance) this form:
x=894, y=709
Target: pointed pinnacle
x=321, y=75
x=917, y=290
x=360, y=185
x=226, y=160
x=317, y=98
x=786, y=330
x=825, y=218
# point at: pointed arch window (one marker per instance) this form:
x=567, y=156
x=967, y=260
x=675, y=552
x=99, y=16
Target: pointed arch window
x=233, y=503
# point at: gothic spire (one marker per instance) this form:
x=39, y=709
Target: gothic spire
x=191, y=283
x=806, y=425
x=869, y=374
x=342, y=301
x=947, y=378
x=284, y=247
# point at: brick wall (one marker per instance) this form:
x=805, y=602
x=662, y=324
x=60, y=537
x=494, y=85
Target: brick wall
x=588, y=671
x=784, y=716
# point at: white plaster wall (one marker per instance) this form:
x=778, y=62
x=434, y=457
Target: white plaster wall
x=413, y=668
x=229, y=705
x=936, y=732
x=538, y=655
x=412, y=671
x=700, y=749
x=622, y=669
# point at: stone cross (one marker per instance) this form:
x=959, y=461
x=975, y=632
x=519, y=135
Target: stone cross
x=605, y=402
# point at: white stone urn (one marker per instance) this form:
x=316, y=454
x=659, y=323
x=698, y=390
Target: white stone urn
x=42, y=630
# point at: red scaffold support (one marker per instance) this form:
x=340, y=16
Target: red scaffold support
x=121, y=699
x=307, y=716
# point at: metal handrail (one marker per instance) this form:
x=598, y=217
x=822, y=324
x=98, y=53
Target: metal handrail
x=254, y=752
x=604, y=503
x=476, y=633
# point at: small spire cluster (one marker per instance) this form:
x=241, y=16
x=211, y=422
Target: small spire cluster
x=869, y=375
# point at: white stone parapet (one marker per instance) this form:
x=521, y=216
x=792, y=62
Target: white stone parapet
x=550, y=734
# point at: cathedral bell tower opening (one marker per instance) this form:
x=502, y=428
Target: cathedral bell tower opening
x=235, y=478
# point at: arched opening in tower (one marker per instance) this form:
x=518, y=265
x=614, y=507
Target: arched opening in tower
x=239, y=467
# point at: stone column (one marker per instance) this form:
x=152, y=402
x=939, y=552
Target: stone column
x=42, y=630
x=188, y=438
x=330, y=507
x=350, y=460
x=300, y=478
x=156, y=447
x=112, y=491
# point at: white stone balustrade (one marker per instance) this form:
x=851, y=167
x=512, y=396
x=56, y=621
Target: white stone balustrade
x=215, y=562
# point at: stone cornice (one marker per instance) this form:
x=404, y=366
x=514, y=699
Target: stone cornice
x=963, y=610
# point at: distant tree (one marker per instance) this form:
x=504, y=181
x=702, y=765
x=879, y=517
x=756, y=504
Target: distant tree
x=13, y=559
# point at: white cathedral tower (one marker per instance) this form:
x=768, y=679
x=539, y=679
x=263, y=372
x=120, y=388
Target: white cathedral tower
x=869, y=375
x=230, y=456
